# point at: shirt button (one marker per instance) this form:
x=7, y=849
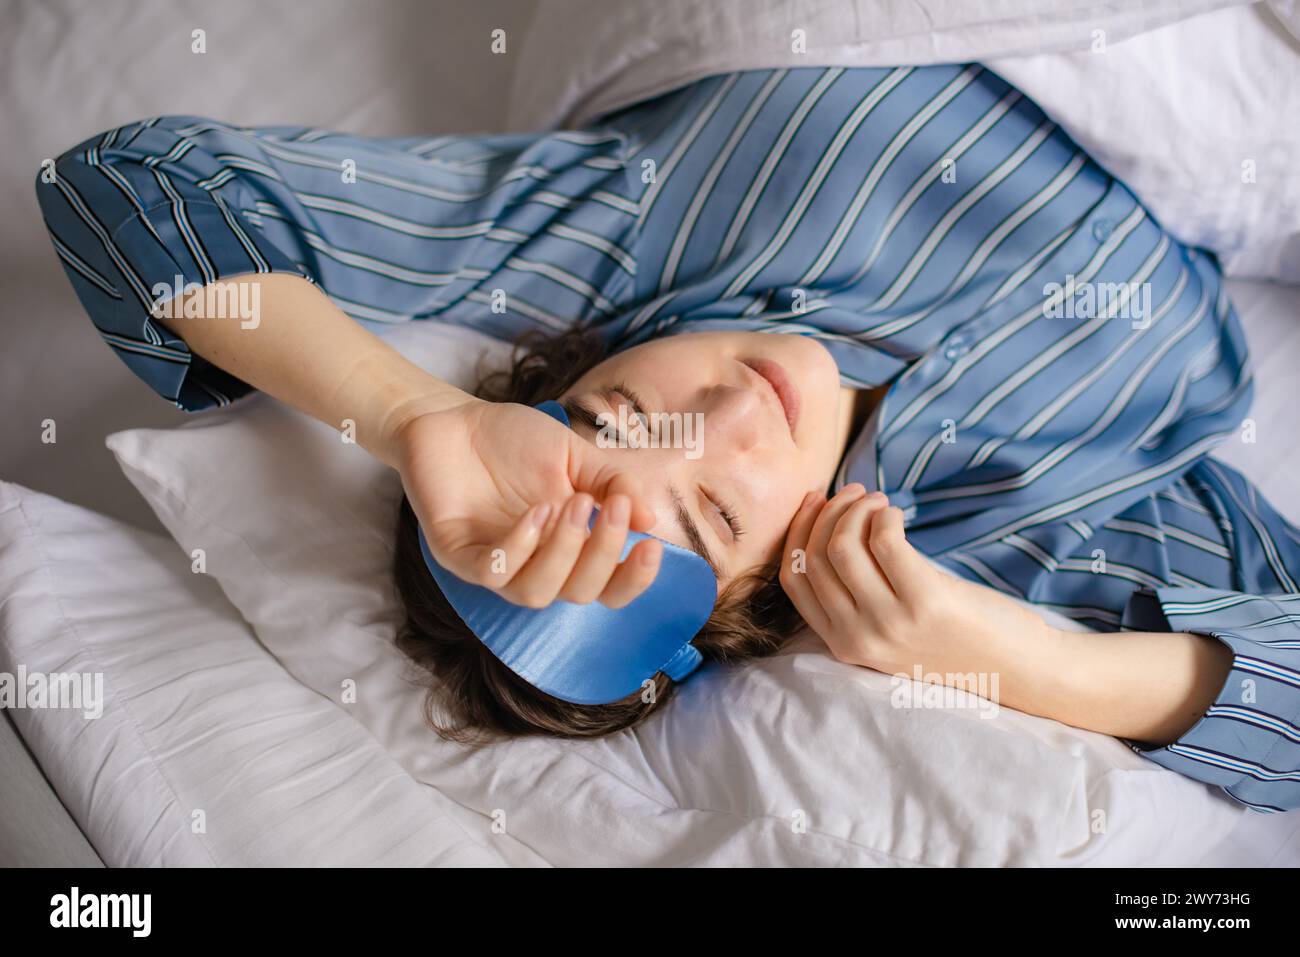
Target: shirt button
x=956, y=349
x=1102, y=229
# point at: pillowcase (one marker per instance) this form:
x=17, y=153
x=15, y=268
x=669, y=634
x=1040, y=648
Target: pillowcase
x=582, y=58
x=1201, y=120
x=796, y=759
x=206, y=751
x=1192, y=103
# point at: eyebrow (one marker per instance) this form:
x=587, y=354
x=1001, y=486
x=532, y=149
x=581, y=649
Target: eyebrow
x=580, y=413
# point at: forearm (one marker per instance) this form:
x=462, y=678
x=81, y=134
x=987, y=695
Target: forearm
x=306, y=352
x=1145, y=686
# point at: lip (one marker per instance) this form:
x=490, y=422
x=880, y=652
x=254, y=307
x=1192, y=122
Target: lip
x=787, y=393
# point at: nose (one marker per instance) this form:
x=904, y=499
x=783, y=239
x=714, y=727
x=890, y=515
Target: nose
x=733, y=419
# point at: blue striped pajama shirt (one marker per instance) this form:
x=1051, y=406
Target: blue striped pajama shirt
x=913, y=220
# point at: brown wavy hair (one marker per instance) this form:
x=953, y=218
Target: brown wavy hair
x=473, y=698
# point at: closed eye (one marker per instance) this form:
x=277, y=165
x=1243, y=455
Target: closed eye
x=621, y=390
x=727, y=512
x=583, y=414
x=589, y=419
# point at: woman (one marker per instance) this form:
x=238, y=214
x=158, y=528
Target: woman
x=987, y=342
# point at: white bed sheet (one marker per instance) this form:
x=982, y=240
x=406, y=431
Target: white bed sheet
x=204, y=750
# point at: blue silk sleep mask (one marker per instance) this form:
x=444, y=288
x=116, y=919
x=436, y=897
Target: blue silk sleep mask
x=591, y=654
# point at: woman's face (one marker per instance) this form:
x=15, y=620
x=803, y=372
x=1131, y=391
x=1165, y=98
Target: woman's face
x=761, y=421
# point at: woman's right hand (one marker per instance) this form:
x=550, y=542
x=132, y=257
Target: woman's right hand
x=503, y=493
x=478, y=474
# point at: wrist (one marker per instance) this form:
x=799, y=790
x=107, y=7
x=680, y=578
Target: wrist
x=383, y=393
x=1060, y=675
x=1040, y=668
x=1008, y=638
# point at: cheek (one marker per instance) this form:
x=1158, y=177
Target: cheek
x=781, y=492
x=809, y=356
x=683, y=367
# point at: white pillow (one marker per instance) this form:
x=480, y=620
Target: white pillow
x=582, y=58
x=1201, y=119
x=1175, y=105
x=795, y=759
x=199, y=723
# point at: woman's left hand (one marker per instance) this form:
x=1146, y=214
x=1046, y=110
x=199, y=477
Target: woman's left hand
x=878, y=602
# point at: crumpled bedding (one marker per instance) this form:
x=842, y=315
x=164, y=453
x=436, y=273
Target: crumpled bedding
x=1194, y=104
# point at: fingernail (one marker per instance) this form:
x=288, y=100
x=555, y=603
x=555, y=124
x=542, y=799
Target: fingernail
x=650, y=554
x=580, y=511
x=620, y=510
x=542, y=513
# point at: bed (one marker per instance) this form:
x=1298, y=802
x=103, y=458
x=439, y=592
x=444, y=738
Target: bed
x=256, y=713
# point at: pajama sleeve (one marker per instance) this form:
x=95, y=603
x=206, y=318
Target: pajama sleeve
x=135, y=213
x=1248, y=740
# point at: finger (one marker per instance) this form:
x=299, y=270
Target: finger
x=903, y=565
x=592, y=470
x=853, y=562
x=642, y=516
x=635, y=574
x=794, y=564
x=496, y=565
x=600, y=554
x=539, y=582
x=832, y=594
